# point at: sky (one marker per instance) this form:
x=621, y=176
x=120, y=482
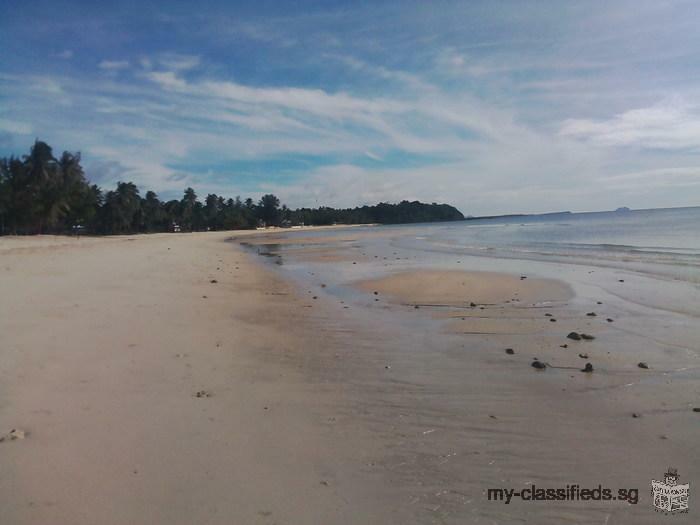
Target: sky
x=495, y=107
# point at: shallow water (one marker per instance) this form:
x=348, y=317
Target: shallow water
x=664, y=242
x=587, y=249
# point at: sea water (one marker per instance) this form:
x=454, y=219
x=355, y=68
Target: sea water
x=662, y=242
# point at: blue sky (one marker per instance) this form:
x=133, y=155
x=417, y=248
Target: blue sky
x=496, y=107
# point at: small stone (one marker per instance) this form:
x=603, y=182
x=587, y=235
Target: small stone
x=13, y=435
x=552, y=320
x=642, y=364
x=523, y=277
x=548, y=315
x=416, y=307
x=583, y=356
x=376, y=292
x=574, y=336
x=696, y=409
x=587, y=337
x=599, y=302
x=588, y=368
x=510, y=351
x=635, y=415
x=472, y=305
x=539, y=365
x=621, y=281
x=213, y=281
x=564, y=346
x=591, y=314
x=609, y=320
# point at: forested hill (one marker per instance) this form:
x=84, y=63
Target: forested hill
x=382, y=213
x=40, y=193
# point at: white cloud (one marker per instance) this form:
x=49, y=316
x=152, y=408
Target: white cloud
x=671, y=124
x=19, y=128
x=66, y=54
x=167, y=79
x=113, y=65
x=46, y=84
x=177, y=62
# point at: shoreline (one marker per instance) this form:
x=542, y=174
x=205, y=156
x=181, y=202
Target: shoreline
x=318, y=402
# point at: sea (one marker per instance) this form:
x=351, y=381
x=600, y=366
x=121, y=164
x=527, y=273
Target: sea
x=663, y=242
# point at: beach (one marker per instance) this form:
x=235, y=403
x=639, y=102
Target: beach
x=106, y=345
x=332, y=377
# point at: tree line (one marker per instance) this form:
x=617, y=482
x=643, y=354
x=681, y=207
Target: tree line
x=40, y=193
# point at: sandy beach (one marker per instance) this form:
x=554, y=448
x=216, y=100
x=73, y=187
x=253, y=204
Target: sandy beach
x=106, y=344
x=184, y=379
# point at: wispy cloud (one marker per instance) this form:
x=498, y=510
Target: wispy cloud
x=670, y=124
x=113, y=65
x=19, y=128
x=178, y=62
x=66, y=54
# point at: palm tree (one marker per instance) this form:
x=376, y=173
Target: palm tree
x=121, y=208
x=44, y=185
x=153, y=213
x=189, y=199
x=268, y=209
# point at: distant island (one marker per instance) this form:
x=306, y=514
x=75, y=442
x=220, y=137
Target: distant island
x=43, y=194
x=517, y=215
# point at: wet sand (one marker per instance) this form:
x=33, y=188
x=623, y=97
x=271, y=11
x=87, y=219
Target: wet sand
x=460, y=415
x=461, y=288
x=319, y=400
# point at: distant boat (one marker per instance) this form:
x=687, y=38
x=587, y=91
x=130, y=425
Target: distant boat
x=622, y=209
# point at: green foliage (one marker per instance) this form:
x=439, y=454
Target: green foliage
x=268, y=210
x=42, y=194
x=382, y=213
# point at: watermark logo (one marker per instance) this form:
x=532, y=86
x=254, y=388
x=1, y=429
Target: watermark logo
x=670, y=497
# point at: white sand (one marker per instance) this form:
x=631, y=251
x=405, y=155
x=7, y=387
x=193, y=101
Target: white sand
x=105, y=343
